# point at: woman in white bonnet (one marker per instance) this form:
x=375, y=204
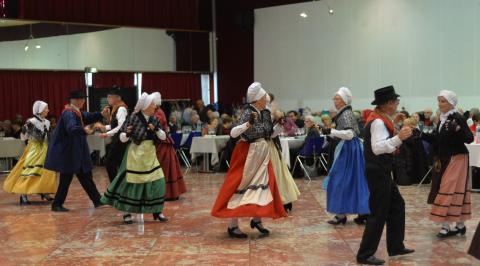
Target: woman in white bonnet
x=28, y=176
x=250, y=187
x=450, y=191
x=347, y=188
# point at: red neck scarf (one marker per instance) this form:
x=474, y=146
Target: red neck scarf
x=75, y=111
x=376, y=114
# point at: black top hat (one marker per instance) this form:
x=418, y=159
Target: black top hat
x=77, y=94
x=115, y=91
x=384, y=95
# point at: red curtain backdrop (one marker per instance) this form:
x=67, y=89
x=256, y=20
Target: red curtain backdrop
x=173, y=85
x=170, y=14
x=108, y=79
x=20, y=89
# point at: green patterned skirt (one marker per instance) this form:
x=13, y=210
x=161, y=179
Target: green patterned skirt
x=141, y=195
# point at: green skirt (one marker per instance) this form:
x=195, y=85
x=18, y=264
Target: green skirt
x=135, y=197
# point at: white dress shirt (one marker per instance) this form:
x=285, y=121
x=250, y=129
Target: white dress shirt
x=380, y=138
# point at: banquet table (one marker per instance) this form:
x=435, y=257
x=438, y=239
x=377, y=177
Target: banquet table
x=10, y=148
x=206, y=145
x=288, y=143
x=96, y=143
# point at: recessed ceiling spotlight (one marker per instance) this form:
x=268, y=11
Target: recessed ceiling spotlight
x=303, y=15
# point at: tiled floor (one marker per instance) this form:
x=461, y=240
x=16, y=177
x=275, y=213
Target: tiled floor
x=33, y=235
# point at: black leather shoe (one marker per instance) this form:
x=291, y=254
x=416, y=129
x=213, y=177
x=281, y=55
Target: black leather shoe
x=288, y=207
x=59, y=208
x=46, y=197
x=24, y=200
x=445, y=235
x=127, y=219
x=231, y=233
x=259, y=227
x=405, y=251
x=361, y=219
x=156, y=216
x=98, y=204
x=337, y=221
x=372, y=260
x=458, y=231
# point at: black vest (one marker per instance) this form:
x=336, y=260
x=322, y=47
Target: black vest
x=114, y=124
x=384, y=161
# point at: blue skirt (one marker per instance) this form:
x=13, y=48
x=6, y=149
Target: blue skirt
x=347, y=188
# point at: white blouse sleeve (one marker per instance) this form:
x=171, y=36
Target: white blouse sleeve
x=238, y=130
x=123, y=137
x=342, y=134
x=161, y=134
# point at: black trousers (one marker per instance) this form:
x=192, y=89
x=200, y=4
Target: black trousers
x=386, y=207
x=86, y=180
x=114, y=158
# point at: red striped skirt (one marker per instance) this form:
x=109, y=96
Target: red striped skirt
x=452, y=203
x=274, y=209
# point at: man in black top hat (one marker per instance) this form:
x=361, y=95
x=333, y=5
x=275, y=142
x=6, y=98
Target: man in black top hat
x=68, y=151
x=116, y=115
x=386, y=204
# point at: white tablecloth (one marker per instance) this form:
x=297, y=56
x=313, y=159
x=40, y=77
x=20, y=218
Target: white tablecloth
x=209, y=144
x=95, y=143
x=11, y=148
x=474, y=150
x=474, y=159
x=288, y=143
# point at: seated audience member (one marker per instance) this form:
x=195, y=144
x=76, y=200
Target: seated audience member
x=312, y=132
x=200, y=108
x=195, y=124
x=227, y=123
x=332, y=112
x=289, y=128
x=476, y=122
x=7, y=128
x=470, y=115
x=211, y=127
x=16, y=130
x=410, y=162
x=416, y=116
x=18, y=120
x=293, y=115
x=187, y=114
x=172, y=123
x=326, y=121
x=427, y=117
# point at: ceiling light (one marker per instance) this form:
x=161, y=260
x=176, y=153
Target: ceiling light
x=330, y=11
x=31, y=39
x=303, y=15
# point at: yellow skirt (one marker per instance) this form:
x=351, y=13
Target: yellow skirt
x=286, y=185
x=28, y=176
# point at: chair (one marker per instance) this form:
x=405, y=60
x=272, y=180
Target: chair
x=311, y=149
x=188, y=143
x=177, y=139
